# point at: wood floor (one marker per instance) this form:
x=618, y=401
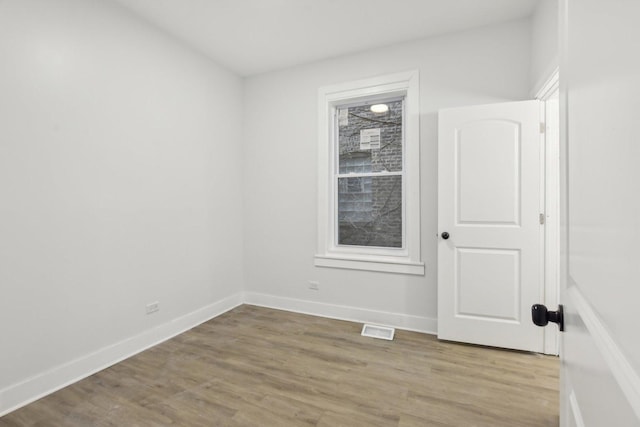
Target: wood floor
x=260, y=367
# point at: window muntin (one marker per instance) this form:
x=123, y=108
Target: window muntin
x=369, y=174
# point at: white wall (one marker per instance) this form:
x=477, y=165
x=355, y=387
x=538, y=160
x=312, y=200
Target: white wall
x=120, y=184
x=280, y=168
x=545, y=45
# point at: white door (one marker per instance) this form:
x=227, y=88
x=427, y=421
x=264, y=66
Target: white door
x=489, y=197
x=600, y=138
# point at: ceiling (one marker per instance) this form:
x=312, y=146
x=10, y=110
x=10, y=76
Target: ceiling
x=255, y=36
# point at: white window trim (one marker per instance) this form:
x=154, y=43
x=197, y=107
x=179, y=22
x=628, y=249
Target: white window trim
x=406, y=260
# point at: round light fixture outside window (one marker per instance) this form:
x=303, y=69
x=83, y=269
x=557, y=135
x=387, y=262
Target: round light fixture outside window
x=379, y=108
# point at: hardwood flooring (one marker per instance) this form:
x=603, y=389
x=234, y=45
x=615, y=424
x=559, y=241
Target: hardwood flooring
x=261, y=367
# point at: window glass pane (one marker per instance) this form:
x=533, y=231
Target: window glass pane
x=370, y=211
x=375, y=139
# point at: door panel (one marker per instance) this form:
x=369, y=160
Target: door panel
x=489, y=190
x=477, y=266
x=595, y=397
x=600, y=268
x=489, y=183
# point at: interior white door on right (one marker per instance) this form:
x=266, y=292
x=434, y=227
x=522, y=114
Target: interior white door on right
x=489, y=248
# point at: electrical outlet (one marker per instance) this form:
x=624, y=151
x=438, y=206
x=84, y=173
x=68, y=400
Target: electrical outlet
x=153, y=307
x=314, y=285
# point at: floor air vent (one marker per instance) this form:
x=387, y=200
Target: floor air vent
x=381, y=332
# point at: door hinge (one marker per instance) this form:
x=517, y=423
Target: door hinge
x=543, y=127
x=541, y=219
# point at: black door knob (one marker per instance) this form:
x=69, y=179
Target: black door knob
x=445, y=235
x=541, y=316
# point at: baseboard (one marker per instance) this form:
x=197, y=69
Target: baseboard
x=34, y=388
x=341, y=312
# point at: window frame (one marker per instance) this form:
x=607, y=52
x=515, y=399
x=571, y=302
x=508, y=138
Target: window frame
x=392, y=260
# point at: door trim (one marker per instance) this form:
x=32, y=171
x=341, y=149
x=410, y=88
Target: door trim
x=549, y=86
x=550, y=206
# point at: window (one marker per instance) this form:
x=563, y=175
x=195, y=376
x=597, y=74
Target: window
x=369, y=177
x=369, y=215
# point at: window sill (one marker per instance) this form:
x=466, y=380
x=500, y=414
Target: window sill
x=370, y=264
